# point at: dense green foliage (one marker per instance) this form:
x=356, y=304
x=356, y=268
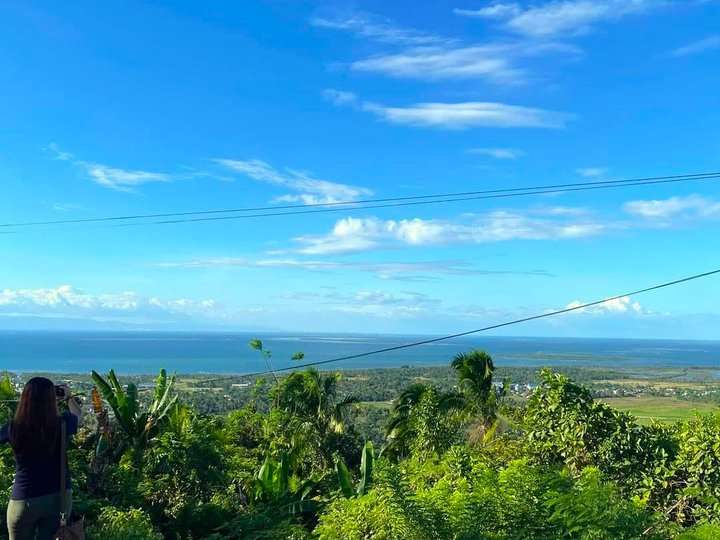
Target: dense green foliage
x=451, y=458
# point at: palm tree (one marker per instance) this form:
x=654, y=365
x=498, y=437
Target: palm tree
x=475, y=381
x=313, y=396
x=422, y=420
x=319, y=414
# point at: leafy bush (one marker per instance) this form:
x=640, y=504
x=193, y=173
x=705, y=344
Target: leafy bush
x=703, y=532
x=565, y=425
x=593, y=510
x=116, y=524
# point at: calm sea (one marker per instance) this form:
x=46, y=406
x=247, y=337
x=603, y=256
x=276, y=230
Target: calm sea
x=147, y=352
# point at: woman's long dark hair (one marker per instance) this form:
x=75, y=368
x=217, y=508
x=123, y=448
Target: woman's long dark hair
x=33, y=431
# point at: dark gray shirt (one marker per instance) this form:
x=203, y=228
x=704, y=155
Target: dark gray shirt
x=36, y=476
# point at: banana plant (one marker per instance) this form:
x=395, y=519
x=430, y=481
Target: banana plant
x=273, y=486
x=8, y=398
x=367, y=467
x=137, y=427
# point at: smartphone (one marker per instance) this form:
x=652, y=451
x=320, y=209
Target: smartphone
x=60, y=392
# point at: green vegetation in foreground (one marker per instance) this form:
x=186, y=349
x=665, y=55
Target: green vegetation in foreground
x=663, y=409
x=421, y=453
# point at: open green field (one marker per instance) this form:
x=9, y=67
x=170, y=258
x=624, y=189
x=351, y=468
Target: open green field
x=664, y=409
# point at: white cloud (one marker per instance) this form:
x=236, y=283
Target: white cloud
x=339, y=98
x=688, y=207
x=702, y=45
x=391, y=270
x=58, y=154
x=309, y=190
x=68, y=301
x=377, y=28
x=117, y=178
x=376, y=303
x=351, y=235
x=122, y=179
x=624, y=305
x=497, y=153
x=591, y=172
x=495, y=11
x=412, y=54
x=67, y=207
x=494, y=62
x=469, y=115
x=561, y=17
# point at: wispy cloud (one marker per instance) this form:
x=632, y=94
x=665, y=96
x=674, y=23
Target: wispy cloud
x=377, y=303
x=122, y=179
x=429, y=63
x=591, y=172
x=115, y=177
x=338, y=97
x=471, y=114
x=686, y=207
x=417, y=55
x=560, y=17
x=390, y=270
x=497, y=153
x=309, y=190
x=54, y=150
x=67, y=207
x=702, y=45
x=495, y=11
x=353, y=235
x=378, y=28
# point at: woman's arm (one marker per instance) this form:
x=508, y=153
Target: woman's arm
x=74, y=408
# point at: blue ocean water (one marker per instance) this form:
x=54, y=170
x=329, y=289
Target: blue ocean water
x=147, y=352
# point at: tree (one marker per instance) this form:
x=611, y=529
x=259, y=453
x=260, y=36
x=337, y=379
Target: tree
x=311, y=395
x=423, y=420
x=565, y=425
x=318, y=414
x=475, y=381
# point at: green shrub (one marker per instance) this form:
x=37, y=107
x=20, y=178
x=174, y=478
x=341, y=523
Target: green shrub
x=116, y=524
x=703, y=532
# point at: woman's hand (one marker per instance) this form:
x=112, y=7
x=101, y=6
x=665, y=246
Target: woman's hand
x=66, y=393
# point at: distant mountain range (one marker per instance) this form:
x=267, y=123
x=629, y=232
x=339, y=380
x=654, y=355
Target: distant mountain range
x=29, y=322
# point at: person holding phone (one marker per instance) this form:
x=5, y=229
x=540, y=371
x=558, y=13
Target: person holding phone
x=34, y=436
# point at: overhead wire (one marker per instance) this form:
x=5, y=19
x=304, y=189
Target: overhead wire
x=366, y=204
x=413, y=203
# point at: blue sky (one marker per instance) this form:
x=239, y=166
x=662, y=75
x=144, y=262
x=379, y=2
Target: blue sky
x=116, y=108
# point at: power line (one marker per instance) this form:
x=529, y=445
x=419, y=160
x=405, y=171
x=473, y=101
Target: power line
x=412, y=203
x=273, y=211
x=486, y=328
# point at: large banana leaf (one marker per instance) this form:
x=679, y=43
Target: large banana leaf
x=344, y=479
x=108, y=391
x=7, y=389
x=160, y=386
x=161, y=399
x=367, y=466
x=131, y=400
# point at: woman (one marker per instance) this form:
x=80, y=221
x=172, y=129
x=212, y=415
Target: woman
x=34, y=435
